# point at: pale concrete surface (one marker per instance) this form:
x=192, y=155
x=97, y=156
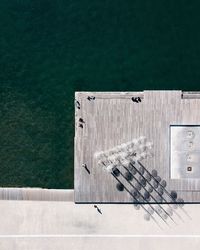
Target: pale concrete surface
x=65, y=225
x=100, y=244
x=31, y=217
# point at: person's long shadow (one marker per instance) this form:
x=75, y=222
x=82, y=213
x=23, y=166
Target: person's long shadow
x=98, y=209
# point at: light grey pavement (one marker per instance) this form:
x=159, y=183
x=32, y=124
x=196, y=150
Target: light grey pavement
x=36, y=218
x=100, y=244
x=49, y=225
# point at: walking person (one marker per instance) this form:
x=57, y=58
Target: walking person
x=98, y=209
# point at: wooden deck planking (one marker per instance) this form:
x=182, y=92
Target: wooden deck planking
x=37, y=194
x=111, y=119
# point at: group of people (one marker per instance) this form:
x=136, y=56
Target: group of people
x=136, y=99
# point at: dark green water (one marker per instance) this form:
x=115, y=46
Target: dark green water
x=49, y=49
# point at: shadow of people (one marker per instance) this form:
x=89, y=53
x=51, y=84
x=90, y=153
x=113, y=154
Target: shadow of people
x=98, y=209
x=86, y=168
